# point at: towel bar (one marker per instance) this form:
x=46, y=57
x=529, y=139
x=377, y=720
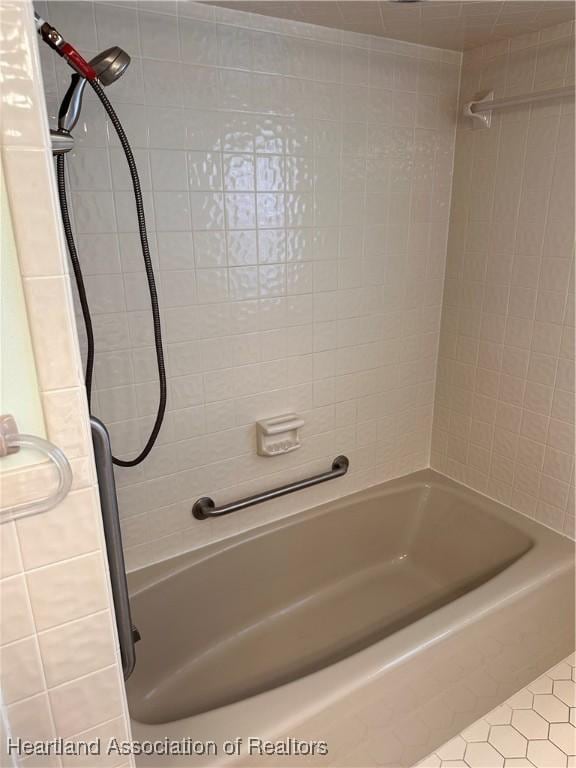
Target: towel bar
x=10, y=442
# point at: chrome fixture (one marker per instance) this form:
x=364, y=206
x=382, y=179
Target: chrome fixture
x=109, y=66
x=205, y=507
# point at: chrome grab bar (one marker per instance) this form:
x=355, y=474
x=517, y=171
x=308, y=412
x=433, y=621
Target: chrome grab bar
x=205, y=507
x=127, y=633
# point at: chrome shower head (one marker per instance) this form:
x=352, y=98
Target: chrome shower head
x=109, y=66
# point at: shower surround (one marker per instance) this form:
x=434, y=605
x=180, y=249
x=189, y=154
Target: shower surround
x=504, y=417
x=297, y=184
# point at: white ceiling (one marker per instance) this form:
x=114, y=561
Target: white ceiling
x=440, y=23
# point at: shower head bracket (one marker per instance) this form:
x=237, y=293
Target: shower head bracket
x=62, y=141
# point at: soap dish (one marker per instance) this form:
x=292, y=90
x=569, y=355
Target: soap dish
x=279, y=434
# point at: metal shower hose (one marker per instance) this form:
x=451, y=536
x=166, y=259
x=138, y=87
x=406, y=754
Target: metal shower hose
x=149, y=275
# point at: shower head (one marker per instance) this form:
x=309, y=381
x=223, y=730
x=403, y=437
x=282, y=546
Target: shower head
x=109, y=66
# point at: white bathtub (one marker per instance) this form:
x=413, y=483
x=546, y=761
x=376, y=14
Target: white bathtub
x=382, y=624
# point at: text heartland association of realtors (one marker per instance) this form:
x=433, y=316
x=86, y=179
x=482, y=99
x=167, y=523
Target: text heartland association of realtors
x=187, y=746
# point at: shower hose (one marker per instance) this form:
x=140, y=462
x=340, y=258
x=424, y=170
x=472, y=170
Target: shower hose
x=149, y=275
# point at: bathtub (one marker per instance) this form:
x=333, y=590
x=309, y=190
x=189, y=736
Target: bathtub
x=380, y=624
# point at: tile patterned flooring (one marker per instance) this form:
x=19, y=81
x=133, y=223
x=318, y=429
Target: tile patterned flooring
x=535, y=728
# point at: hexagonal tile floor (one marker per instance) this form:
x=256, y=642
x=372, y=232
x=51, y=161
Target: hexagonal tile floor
x=536, y=728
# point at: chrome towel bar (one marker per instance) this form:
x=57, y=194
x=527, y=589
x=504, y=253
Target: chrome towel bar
x=205, y=507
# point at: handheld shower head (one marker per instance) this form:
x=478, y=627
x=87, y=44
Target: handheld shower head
x=109, y=66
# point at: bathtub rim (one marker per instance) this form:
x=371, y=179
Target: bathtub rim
x=281, y=709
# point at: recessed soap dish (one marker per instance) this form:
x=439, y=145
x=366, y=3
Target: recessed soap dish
x=279, y=434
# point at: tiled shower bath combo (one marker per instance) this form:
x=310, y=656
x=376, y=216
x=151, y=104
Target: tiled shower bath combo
x=344, y=512
x=298, y=191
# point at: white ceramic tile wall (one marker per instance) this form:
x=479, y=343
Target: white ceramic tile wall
x=59, y=665
x=504, y=418
x=297, y=184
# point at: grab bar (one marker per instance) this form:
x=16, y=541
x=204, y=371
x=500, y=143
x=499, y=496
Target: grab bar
x=205, y=507
x=10, y=442
x=127, y=633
